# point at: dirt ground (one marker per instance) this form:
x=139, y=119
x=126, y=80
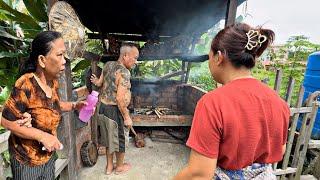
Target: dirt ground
x=156, y=161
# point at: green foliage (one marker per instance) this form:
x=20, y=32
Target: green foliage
x=14, y=47
x=200, y=76
x=94, y=46
x=4, y=94
x=291, y=58
x=37, y=9
x=80, y=66
x=154, y=69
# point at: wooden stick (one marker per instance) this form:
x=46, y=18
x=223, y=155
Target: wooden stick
x=157, y=113
x=133, y=131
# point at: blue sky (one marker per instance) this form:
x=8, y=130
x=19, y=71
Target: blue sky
x=285, y=17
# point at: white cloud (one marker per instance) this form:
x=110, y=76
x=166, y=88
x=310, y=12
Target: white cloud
x=285, y=17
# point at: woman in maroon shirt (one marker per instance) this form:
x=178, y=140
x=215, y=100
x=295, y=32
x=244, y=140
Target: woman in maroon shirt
x=238, y=129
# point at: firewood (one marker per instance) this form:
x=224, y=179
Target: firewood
x=157, y=113
x=148, y=112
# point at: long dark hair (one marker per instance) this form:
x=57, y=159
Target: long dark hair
x=41, y=45
x=231, y=41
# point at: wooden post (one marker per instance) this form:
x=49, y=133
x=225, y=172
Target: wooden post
x=231, y=12
x=183, y=67
x=193, y=45
x=94, y=123
x=278, y=80
x=188, y=72
x=66, y=129
x=290, y=90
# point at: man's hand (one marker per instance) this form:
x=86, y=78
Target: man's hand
x=50, y=142
x=128, y=122
x=25, y=120
x=94, y=79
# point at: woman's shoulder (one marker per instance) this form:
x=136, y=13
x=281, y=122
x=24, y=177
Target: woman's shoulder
x=23, y=81
x=214, y=96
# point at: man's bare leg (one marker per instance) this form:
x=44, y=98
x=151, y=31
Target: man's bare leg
x=121, y=166
x=109, y=167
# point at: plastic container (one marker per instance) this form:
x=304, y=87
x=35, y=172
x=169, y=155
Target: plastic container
x=87, y=111
x=311, y=84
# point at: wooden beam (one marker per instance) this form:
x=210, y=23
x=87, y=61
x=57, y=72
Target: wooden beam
x=166, y=120
x=170, y=75
x=231, y=12
x=128, y=37
x=314, y=144
x=289, y=170
x=307, y=177
x=300, y=110
x=186, y=58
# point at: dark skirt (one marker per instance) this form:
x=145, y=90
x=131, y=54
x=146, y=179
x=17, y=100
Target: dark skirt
x=25, y=172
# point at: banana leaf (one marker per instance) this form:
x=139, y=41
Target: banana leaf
x=20, y=17
x=5, y=15
x=29, y=33
x=83, y=64
x=9, y=54
x=7, y=35
x=37, y=9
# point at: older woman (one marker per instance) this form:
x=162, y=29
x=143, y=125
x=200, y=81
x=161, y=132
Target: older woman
x=36, y=93
x=241, y=128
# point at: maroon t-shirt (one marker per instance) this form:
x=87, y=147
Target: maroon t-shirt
x=240, y=123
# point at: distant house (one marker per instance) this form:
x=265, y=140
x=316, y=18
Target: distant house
x=275, y=53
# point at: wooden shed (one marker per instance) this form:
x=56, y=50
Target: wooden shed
x=135, y=20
